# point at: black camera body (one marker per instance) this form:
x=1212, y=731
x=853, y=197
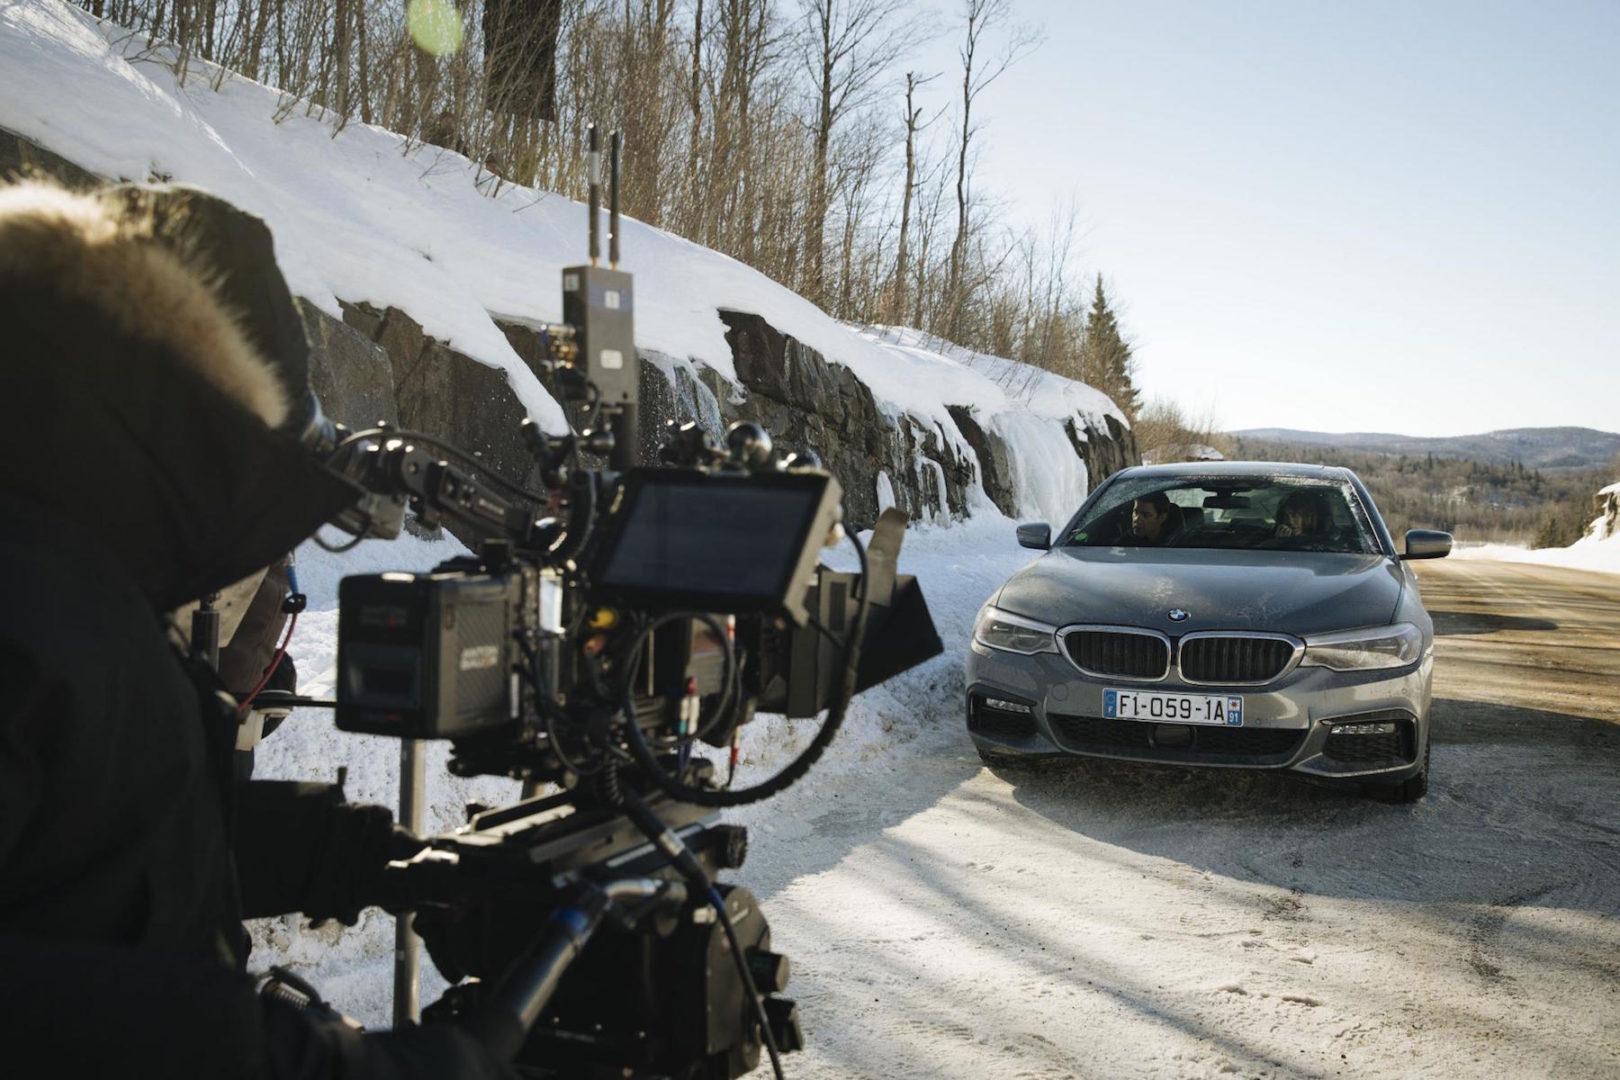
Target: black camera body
x=604, y=631
x=696, y=599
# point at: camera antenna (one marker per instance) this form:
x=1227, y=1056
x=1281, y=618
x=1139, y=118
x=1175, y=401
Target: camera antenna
x=593, y=173
x=613, y=200
x=599, y=308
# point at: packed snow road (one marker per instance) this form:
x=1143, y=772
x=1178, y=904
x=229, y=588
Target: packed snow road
x=1109, y=921
x=1093, y=920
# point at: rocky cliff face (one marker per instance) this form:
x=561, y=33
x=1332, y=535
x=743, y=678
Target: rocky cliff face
x=377, y=364
x=808, y=403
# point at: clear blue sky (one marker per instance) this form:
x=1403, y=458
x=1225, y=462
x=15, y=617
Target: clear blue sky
x=1335, y=216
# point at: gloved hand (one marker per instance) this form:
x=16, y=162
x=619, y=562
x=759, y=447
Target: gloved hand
x=301, y=847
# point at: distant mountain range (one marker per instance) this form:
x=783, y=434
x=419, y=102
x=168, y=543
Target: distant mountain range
x=1536, y=448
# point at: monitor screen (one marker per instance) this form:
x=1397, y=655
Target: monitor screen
x=721, y=543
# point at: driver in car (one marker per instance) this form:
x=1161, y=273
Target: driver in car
x=1154, y=520
x=1303, y=514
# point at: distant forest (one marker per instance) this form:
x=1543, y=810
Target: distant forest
x=1475, y=501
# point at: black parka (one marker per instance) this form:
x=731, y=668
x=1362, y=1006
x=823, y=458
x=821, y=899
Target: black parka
x=131, y=482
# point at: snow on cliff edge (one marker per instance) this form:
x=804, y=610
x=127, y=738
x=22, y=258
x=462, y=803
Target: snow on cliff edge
x=1027, y=407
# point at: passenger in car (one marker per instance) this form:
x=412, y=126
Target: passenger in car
x=1154, y=520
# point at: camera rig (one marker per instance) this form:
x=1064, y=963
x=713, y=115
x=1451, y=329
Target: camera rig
x=608, y=627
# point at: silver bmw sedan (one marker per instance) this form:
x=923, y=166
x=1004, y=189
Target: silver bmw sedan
x=1237, y=614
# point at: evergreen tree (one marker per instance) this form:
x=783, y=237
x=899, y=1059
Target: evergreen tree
x=1105, y=355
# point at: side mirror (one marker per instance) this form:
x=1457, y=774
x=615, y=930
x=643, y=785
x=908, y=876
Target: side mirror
x=1038, y=535
x=1427, y=544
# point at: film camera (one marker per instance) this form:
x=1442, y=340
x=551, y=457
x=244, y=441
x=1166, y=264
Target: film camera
x=610, y=626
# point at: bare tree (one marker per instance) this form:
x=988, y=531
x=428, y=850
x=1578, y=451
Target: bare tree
x=857, y=166
x=1167, y=431
x=928, y=227
x=845, y=45
x=694, y=99
x=914, y=126
x=980, y=17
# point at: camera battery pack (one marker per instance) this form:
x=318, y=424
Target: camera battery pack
x=427, y=656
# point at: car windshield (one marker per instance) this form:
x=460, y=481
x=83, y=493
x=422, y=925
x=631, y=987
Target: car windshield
x=1275, y=513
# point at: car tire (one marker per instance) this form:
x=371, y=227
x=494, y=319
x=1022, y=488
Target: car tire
x=1410, y=790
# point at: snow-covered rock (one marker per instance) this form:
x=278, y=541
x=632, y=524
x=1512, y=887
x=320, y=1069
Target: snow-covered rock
x=1606, y=526
x=1041, y=440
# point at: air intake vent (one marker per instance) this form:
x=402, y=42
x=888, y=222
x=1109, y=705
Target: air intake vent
x=1119, y=653
x=1194, y=743
x=1234, y=660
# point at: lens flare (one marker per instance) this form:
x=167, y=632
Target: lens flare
x=435, y=26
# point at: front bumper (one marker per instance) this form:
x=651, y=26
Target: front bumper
x=1288, y=724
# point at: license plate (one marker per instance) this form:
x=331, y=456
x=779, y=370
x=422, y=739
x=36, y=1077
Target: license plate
x=1166, y=708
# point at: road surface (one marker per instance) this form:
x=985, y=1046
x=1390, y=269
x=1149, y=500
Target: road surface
x=1094, y=920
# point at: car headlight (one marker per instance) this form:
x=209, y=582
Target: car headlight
x=1361, y=650
x=997, y=629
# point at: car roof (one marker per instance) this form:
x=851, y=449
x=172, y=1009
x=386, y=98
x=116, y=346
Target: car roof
x=1240, y=470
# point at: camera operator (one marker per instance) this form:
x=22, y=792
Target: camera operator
x=152, y=394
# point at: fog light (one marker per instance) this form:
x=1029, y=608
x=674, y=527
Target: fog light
x=1006, y=706
x=1364, y=729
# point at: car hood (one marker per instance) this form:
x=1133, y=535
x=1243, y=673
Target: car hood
x=1287, y=592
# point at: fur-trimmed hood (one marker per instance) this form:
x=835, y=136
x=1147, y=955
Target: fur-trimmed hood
x=150, y=364
x=93, y=251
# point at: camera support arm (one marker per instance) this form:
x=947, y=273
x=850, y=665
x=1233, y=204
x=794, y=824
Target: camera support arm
x=409, y=467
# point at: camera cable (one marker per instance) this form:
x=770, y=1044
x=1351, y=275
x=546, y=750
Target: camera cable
x=341, y=549
x=686, y=864
x=677, y=789
x=294, y=603
x=269, y=671
x=548, y=711
x=730, y=680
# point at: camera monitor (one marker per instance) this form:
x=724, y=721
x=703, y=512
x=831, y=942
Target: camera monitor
x=736, y=544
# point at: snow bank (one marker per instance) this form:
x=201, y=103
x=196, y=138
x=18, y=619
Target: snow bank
x=353, y=216
x=1587, y=554
x=1599, y=549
